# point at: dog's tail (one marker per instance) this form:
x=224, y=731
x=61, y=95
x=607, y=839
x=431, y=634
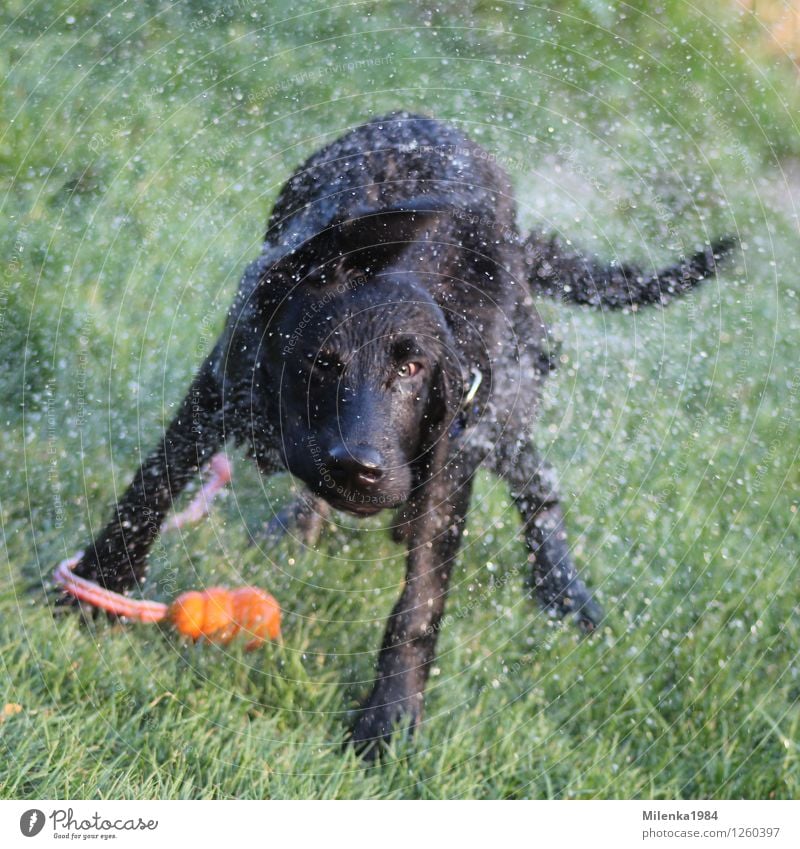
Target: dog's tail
x=560, y=271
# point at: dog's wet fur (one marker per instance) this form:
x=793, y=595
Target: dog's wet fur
x=383, y=347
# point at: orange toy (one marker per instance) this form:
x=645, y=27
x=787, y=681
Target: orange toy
x=219, y=614
x=216, y=614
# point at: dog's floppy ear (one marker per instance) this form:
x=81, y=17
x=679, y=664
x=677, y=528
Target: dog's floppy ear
x=366, y=237
x=444, y=410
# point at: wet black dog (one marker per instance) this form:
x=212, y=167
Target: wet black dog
x=382, y=347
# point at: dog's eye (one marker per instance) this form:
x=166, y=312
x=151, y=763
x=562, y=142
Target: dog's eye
x=409, y=370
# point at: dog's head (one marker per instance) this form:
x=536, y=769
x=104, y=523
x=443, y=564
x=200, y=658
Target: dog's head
x=362, y=366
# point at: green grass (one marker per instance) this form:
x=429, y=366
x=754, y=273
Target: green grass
x=140, y=148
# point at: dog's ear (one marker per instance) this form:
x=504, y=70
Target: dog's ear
x=442, y=417
x=366, y=238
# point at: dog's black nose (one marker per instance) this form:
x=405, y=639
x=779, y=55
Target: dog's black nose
x=361, y=465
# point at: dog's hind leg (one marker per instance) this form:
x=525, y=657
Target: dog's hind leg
x=553, y=576
x=117, y=558
x=303, y=518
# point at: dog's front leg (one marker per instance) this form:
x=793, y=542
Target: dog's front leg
x=410, y=640
x=117, y=558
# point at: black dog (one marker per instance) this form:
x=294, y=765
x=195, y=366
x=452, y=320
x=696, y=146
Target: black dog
x=382, y=347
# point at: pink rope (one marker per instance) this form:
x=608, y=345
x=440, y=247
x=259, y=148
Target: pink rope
x=111, y=602
x=138, y=609
x=220, y=476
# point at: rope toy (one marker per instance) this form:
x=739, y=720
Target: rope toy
x=216, y=614
x=220, y=473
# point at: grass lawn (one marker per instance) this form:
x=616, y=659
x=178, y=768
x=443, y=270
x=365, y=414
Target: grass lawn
x=141, y=146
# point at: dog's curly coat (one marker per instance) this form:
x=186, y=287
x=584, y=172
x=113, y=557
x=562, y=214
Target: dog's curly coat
x=382, y=347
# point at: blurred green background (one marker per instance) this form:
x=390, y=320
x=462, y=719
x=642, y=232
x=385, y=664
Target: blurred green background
x=141, y=145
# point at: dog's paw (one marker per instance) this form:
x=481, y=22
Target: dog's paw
x=304, y=519
x=589, y=615
x=576, y=603
x=380, y=719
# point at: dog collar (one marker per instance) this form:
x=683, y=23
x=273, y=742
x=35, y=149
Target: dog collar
x=460, y=423
x=477, y=379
